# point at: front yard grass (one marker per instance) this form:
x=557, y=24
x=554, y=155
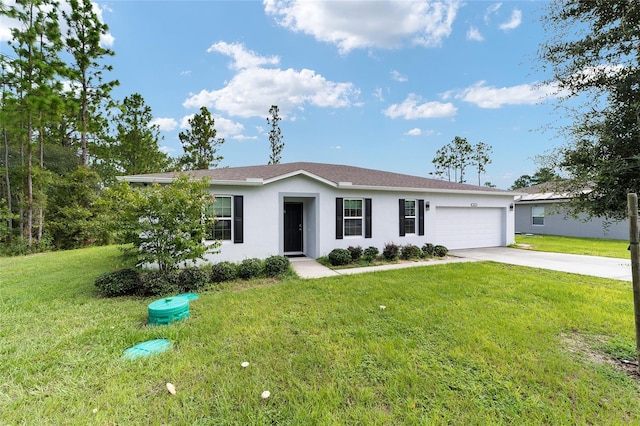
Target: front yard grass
x=466, y=343
x=573, y=245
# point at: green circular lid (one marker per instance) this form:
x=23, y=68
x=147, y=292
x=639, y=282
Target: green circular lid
x=169, y=304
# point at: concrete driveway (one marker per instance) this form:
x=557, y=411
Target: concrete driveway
x=605, y=267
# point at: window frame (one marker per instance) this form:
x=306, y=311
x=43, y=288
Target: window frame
x=538, y=216
x=410, y=218
x=346, y=217
x=211, y=231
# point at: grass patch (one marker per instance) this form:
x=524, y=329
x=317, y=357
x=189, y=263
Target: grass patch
x=466, y=343
x=573, y=245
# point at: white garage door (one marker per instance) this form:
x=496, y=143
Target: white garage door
x=470, y=227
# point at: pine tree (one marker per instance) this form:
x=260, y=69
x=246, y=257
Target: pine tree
x=199, y=143
x=88, y=91
x=275, y=136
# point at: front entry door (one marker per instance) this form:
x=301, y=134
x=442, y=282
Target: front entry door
x=292, y=227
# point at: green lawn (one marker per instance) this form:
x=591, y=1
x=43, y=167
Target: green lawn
x=587, y=246
x=472, y=343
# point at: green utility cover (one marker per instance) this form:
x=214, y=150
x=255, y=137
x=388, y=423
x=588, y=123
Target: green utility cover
x=150, y=347
x=190, y=296
x=168, y=310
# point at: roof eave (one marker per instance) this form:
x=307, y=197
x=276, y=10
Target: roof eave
x=418, y=189
x=148, y=179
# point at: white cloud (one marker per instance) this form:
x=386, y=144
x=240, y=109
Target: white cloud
x=419, y=132
x=242, y=58
x=107, y=40
x=514, y=22
x=497, y=97
x=589, y=75
x=368, y=24
x=395, y=75
x=378, y=94
x=244, y=138
x=252, y=91
x=491, y=10
x=411, y=109
x=167, y=149
x=225, y=128
x=165, y=124
x=184, y=121
x=185, y=73
x=474, y=34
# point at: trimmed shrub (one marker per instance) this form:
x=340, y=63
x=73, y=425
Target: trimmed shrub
x=159, y=283
x=223, y=272
x=275, y=266
x=249, y=268
x=193, y=279
x=355, y=252
x=124, y=282
x=338, y=257
x=370, y=253
x=427, y=249
x=390, y=251
x=411, y=251
x=440, y=251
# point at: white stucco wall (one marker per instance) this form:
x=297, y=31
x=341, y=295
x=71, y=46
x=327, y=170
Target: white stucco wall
x=263, y=217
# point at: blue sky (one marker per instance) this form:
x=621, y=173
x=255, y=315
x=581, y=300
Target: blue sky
x=374, y=84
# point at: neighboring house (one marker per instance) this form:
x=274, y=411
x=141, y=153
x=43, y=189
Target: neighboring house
x=539, y=210
x=310, y=209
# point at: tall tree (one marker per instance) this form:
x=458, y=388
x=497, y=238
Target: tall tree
x=135, y=147
x=593, y=50
x=443, y=162
x=480, y=157
x=456, y=157
x=275, y=135
x=87, y=89
x=199, y=143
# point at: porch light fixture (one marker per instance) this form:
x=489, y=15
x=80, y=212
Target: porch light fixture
x=511, y=207
x=426, y=205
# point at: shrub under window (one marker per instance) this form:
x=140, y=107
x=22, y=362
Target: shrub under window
x=249, y=268
x=338, y=257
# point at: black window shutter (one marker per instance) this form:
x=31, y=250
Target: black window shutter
x=401, y=216
x=339, y=218
x=237, y=219
x=367, y=217
x=420, y=217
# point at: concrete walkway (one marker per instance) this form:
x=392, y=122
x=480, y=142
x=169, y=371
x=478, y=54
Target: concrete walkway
x=604, y=267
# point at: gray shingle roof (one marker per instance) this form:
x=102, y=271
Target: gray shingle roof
x=333, y=173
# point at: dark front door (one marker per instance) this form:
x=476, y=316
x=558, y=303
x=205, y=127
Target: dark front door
x=292, y=227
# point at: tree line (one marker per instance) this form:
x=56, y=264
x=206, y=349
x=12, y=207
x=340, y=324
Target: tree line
x=64, y=137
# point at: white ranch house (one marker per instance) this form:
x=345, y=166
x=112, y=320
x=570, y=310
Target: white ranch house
x=310, y=209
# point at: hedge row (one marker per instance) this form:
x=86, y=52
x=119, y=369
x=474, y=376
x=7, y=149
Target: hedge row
x=390, y=252
x=131, y=282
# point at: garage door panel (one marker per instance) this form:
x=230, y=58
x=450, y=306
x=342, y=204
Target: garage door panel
x=470, y=227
